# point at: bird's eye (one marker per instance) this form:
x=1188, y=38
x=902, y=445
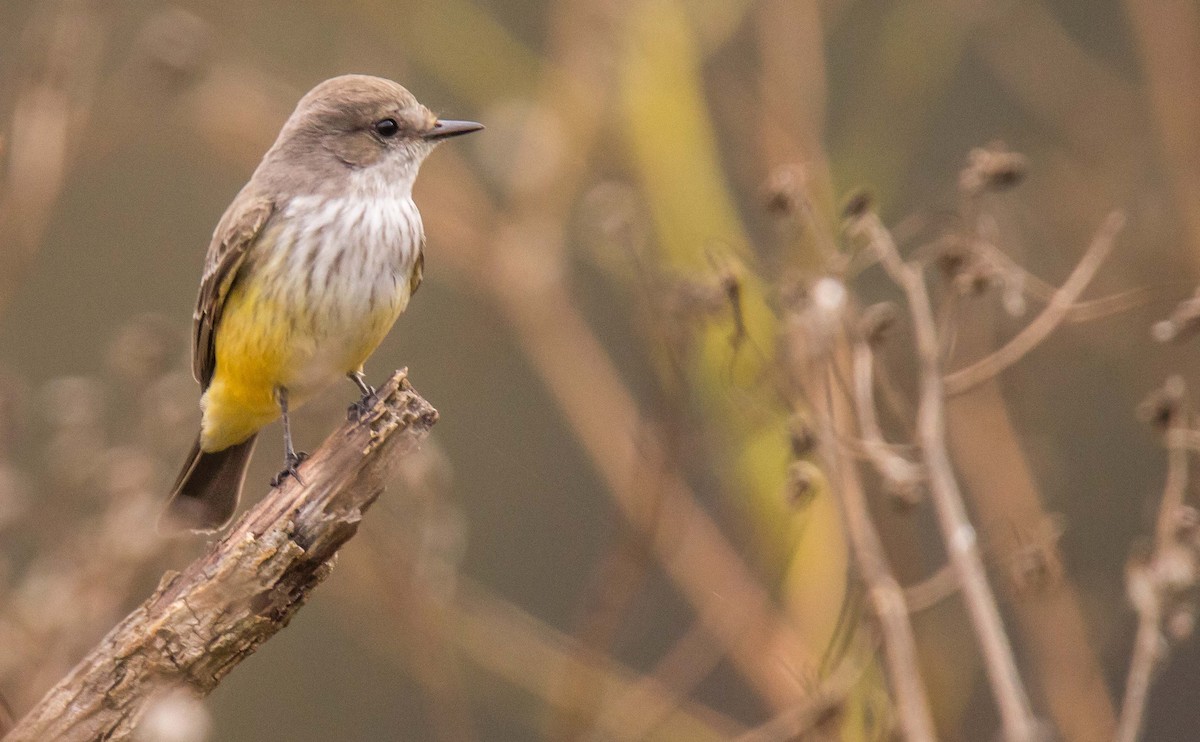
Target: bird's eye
x=387, y=128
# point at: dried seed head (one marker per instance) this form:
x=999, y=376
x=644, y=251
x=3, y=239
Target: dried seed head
x=992, y=168
x=786, y=190
x=803, y=478
x=1036, y=568
x=1161, y=408
x=803, y=438
x=976, y=277
x=858, y=204
x=1183, y=323
x=902, y=483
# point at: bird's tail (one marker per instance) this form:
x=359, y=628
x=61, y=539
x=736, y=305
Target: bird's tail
x=207, y=490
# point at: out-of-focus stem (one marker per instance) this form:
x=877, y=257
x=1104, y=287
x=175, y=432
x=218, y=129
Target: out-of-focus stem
x=959, y=535
x=51, y=110
x=883, y=590
x=1147, y=593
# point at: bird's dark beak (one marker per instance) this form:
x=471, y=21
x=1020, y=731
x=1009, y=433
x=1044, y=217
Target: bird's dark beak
x=445, y=129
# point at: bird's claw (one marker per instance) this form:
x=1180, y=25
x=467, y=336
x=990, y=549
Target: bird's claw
x=289, y=469
x=359, y=409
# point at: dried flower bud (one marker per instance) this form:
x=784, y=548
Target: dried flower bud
x=1162, y=406
x=803, y=438
x=858, y=204
x=992, y=168
x=786, y=189
x=902, y=482
x=951, y=254
x=975, y=277
x=803, y=478
x=1183, y=324
x=1036, y=568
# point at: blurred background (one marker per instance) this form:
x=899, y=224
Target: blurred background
x=619, y=529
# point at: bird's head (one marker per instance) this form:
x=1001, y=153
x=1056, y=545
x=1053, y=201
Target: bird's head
x=365, y=125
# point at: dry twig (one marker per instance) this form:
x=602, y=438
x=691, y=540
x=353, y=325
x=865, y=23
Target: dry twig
x=824, y=394
x=957, y=532
x=901, y=476
x=817, y=707
x=883, y=590
x=1056, y=312
x=932, y=590
x=1170, y=568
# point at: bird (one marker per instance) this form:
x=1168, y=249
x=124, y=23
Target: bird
x=306, y=272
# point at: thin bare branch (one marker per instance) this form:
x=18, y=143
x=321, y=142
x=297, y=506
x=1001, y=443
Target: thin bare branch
x=1169, y=568
x=901, y=476
x=508, y=641
x=959, y=535
x=932, y=590
x=1057, y=311
x=656, y=697
x=883, y=590
x=516, y=648
x=794, y=723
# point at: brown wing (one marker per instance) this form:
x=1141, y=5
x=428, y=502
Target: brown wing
x=418, y=271
x=236, y=234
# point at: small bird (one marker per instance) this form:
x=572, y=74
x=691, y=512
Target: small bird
x=306, y=273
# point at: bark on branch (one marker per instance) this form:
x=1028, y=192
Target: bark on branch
x=200, y=623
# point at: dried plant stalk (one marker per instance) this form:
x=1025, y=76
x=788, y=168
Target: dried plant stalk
x=883, y=590
x=1170, y=569
x=959, y=535
x=202, y=622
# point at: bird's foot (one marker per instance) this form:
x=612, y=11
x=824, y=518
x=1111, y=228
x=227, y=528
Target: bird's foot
x=359, y=409
x=290, y=462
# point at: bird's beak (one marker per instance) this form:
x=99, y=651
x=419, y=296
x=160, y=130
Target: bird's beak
x=445, y=129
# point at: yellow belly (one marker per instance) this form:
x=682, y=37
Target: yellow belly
x=272, y=339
